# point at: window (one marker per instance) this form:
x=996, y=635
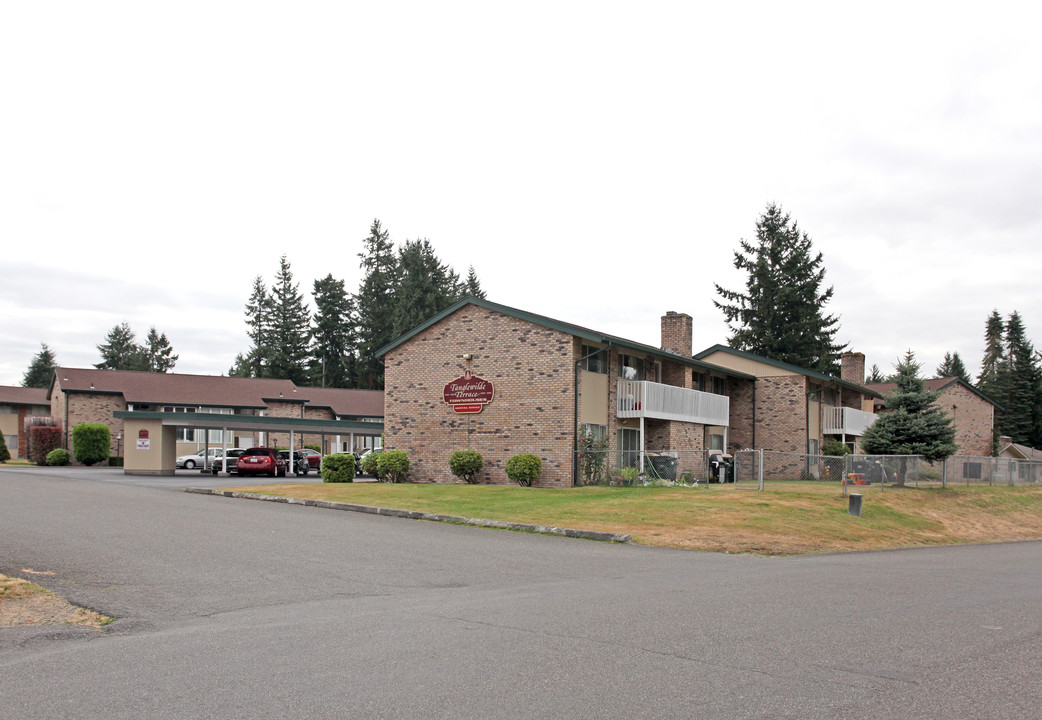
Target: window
x=597, y=432
x=698, y=381
x=631, y=368
x=186, y=434
x=814, y=446
x=718, y=386
x=594, y=359
x=716, y=442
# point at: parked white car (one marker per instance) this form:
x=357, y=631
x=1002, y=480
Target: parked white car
x=203, y=458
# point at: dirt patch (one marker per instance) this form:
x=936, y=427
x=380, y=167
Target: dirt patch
x=25, y=603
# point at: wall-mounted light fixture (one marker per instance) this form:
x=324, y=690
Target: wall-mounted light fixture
x=468, y=356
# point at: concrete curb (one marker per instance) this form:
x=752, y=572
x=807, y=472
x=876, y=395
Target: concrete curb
x=417, y=515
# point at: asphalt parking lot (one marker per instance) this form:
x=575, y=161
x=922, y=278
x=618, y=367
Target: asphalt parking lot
x=238, y=609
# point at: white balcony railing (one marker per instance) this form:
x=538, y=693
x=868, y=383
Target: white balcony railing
x=638, y=398
x=845, y=421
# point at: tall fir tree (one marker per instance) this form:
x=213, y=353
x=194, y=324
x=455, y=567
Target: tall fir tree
x=333, y=354
x=875, y=376
x=120, y=351
x=425, y=286
x=780, y=315
x=259, y=323
x=158, y=353
x=290, y=328
x=1020, y=384
x=992, y=364
x=912, y=423
x=952, y=366
x=472, y=286
x=41, y=370
x=375, y=304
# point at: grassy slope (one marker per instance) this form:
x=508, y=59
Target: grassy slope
x=786, y=520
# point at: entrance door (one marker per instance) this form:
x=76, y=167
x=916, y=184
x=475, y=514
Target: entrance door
x=629, y=447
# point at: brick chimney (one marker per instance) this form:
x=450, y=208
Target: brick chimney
x=676, y=333
x=852, y=367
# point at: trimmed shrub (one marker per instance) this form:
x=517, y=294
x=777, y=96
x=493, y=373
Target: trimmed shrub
x=393, y=465
x=42, y=440
x=58, y=456
x=338, y=468
x=90, y=443
x=524, y=468
x=466, y=464
x=834, y=448
x=38, y=421
x=369, y=465
x=5, y=454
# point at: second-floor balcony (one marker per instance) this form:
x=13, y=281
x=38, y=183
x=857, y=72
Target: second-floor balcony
x=845, y=421
x=640, y=398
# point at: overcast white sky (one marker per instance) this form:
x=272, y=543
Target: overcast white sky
x=596, y=162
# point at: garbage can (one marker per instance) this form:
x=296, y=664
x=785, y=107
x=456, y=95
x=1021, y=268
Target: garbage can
x=855, y=504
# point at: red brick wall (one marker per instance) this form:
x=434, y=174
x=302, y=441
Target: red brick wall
x=740, y=432
x=532, y=369
x=973, y=417
x=91, y=408
x=781, y=413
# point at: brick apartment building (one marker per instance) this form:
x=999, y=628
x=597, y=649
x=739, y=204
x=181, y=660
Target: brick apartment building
x=17, y=404
x=96, y=396
x=532, y=384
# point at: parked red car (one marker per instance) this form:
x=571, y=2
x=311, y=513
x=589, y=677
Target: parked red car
x=258, y=460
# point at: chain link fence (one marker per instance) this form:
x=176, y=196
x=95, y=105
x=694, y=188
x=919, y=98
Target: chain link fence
x=759, y=469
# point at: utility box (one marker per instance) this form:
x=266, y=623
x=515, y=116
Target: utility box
x=855, y=504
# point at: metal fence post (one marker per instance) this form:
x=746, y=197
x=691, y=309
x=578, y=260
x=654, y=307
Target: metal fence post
x=761, y=469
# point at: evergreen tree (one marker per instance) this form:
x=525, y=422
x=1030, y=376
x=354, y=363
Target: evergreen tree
x=952, y=366
x=41, y=370
x=875, y=376
x=259, y=329
x=780, y=314
x=333, y=358
x=159, y=357
x=5, y=454
x=375, y=304
x=992, y=365
x=290, y=328
x=912, y=423
x=472, y=286
x=241, y=367
x=425, y=286
x=120, y=351
x=1019, y=383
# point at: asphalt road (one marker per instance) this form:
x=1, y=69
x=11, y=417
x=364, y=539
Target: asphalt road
x=243, y=609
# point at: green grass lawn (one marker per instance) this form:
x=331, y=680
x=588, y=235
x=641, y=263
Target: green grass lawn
x=787, y=519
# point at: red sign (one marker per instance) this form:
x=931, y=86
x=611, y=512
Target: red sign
x=469, y=393
x=142, y=433
x=475, y=408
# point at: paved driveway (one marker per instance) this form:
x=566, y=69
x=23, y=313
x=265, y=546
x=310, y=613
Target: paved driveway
x=243, y=609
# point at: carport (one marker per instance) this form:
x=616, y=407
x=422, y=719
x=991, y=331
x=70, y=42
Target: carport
x=151, y=437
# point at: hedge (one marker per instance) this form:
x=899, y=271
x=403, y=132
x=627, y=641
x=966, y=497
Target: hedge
x=524, y=468
x=339, y=467
x=466, y=464
x=393, y=465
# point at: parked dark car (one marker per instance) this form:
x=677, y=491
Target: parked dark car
x=262, y=461
x=228, y=463
x=302, y=466
x=314, y=458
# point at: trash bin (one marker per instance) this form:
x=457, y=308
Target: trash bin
x=664, y=466
x=855, y=504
